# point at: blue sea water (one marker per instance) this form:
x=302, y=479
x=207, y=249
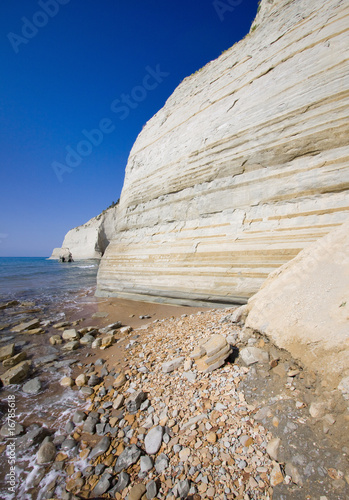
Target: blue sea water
x=45, y=281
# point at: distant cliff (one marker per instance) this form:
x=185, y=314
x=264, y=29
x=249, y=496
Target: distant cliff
x=244, y=166
x=90, y=240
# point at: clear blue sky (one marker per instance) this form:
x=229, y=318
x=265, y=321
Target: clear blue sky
x=64, y=71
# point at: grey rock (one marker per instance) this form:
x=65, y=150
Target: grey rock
x=123, y=482
x=343, y=386
x=69, y=428
x=134, y=402
x=86, y=391
x=99, y=362
x=100, y=429
x=102, y=486
x=93, y=381
x=100, y=448
x=99, y=469
x=161, y=463
x=251, y=355
x=151, y=490
x=68, y=444
x=87, y=339
x=90, y=424
x=79, y=417
x=146, y=464
x=32, y=386
x=128, y=457
x=153, y=440
x=181, y=489
x=71, y=346
x=46, y=453
x=170, y=366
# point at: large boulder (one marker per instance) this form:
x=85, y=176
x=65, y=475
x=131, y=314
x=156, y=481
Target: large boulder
x=304, y=306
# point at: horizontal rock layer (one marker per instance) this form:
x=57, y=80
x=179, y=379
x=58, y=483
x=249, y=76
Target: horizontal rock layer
x=244, y=166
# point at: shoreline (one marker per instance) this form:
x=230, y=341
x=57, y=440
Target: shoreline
x=269, y=401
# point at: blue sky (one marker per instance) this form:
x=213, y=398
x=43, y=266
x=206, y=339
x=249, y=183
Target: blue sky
x=105, y=66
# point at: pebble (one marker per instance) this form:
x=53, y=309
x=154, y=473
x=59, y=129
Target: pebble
x=46, y=453
x=33, y=386
x=153, y=440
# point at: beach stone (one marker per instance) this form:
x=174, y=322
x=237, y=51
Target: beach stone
x=123, y=482
x=215, y=344
x=87, y=339
x=107, y=341
x=146, y=464
x=198, y=352
x=161, y=463
x=81, y=380
x=68, y=444
x=194, y=420
x=33, y=386
x=71, y=346
x=55, y=339
x=170, y=366
x=61, y=324
x=181, y=489
x=252, y=355
x=9, y=304
x=9, y=362
x=16, y=374
x=93, y=380
x=118, y=402
x=128, y=457
x=96, y=344
x=152, y=490
x=153, y=440
x=34, y=331
x=134, y=402
x=46, y=453
x=100, y=448
x=184, y=454
x=86, y=391
x=276, y=476
x=125, y=330
x=69, y=428
x=7, y=352
x=66, y=382
x=273, y=448
x=35, y=323
x=79, y=417
x=90, y=424
x=119, y=381
x=7, y=431
x=136, y=492
x=103, y=485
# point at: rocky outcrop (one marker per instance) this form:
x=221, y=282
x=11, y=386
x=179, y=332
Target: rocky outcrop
x=304, y=306
x=244, y=166
x=89, y=240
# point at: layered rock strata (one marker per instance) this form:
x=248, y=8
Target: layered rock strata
x=89, y=240
x=244, y=166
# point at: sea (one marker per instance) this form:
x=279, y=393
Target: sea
x=46, y=282
x=53, y=291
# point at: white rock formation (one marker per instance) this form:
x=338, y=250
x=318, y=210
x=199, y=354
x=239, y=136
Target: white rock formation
x=304, y=306
x=244, y=166
x=89, y=240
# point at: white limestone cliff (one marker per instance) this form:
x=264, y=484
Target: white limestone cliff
x=244, y=166
x=90, y=240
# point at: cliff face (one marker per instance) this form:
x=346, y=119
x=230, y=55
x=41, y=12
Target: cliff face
x=90, y=240
x=245, y=165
